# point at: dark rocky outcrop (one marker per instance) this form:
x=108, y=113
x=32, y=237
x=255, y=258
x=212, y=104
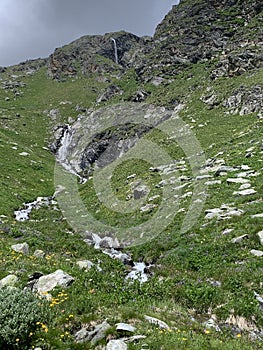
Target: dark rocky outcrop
x=192, y=32
x=198, y=31
x=245, y=100
x=93, y=54
x=116, y=141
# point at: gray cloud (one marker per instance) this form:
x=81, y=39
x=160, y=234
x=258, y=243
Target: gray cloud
x=33, y=28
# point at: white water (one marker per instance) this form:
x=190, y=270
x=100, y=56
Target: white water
x=65, y=142
x=138, y=272
x=115, y=50
x=62, y=154
x=23, y=214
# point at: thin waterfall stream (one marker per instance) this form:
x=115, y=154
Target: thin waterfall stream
x=115, y=50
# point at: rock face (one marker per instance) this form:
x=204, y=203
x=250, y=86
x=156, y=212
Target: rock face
x=245, y=101
x=197, y=31
x=121, y=127
x=192, y=31
x=93, y=54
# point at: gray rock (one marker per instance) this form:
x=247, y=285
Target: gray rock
x=203, y=177
x=260, y=236
x=211, y=324
x=49, y=282
x=213, y=182
x=239, y=239
x=259, y=298
x=8, y=281
x=156, y=321
x=237, y=180
x=260, y=215
x=21, y=248
x=244, y=186
x=245, y=100
x=125, y=327
x=157, y=81
x=224, y=212
x=227, y=231
x=246, y=192
x=110, y=91
x=140, y=191
x=255, y=252
x=39, y=253
x=84, y=264
x=116, y=345
x=99, y=332
x=82, y=335
x=147, y=207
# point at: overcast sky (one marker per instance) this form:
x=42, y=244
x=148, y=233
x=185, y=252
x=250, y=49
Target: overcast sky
x=34, y=28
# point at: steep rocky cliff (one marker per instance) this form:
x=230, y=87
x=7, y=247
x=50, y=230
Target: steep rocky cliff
x=194, y=31
x=93, y=54
x=229, y=32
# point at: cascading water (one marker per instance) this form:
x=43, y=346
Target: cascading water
x=62, y=154
x=65, y=142
x=115, y=50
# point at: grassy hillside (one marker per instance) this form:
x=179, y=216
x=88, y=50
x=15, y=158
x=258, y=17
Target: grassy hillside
x=194, y=276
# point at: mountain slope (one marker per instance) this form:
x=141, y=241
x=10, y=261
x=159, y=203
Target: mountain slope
x=155, y=160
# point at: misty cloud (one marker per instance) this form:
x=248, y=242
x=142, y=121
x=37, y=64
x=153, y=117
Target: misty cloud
x=33, y=28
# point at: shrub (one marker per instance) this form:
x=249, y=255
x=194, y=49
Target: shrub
x=20, y=314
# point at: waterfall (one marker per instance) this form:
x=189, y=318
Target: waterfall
x=115, y=50
x=65, y=142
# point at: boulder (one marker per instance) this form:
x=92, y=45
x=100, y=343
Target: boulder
x=97, y=334
x=21, y=248
x=116, y=345
x=239, y=239
x=255, y=252
x=49, y=282
x=260, y=236
x=125, y=327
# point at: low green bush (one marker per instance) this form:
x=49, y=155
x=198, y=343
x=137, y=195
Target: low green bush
x=21, y=313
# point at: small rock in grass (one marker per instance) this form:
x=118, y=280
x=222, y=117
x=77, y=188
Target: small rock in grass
x=159, y=323
x=84, y=264
x=257, y=216
x=39, y=253
x=125, y=327
x=211, y=324
x=246, y=192
x=260, y=236
x=116, y=345
x=21, y=248
x=256, y=252
x=24, y=154
x=239, y=239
